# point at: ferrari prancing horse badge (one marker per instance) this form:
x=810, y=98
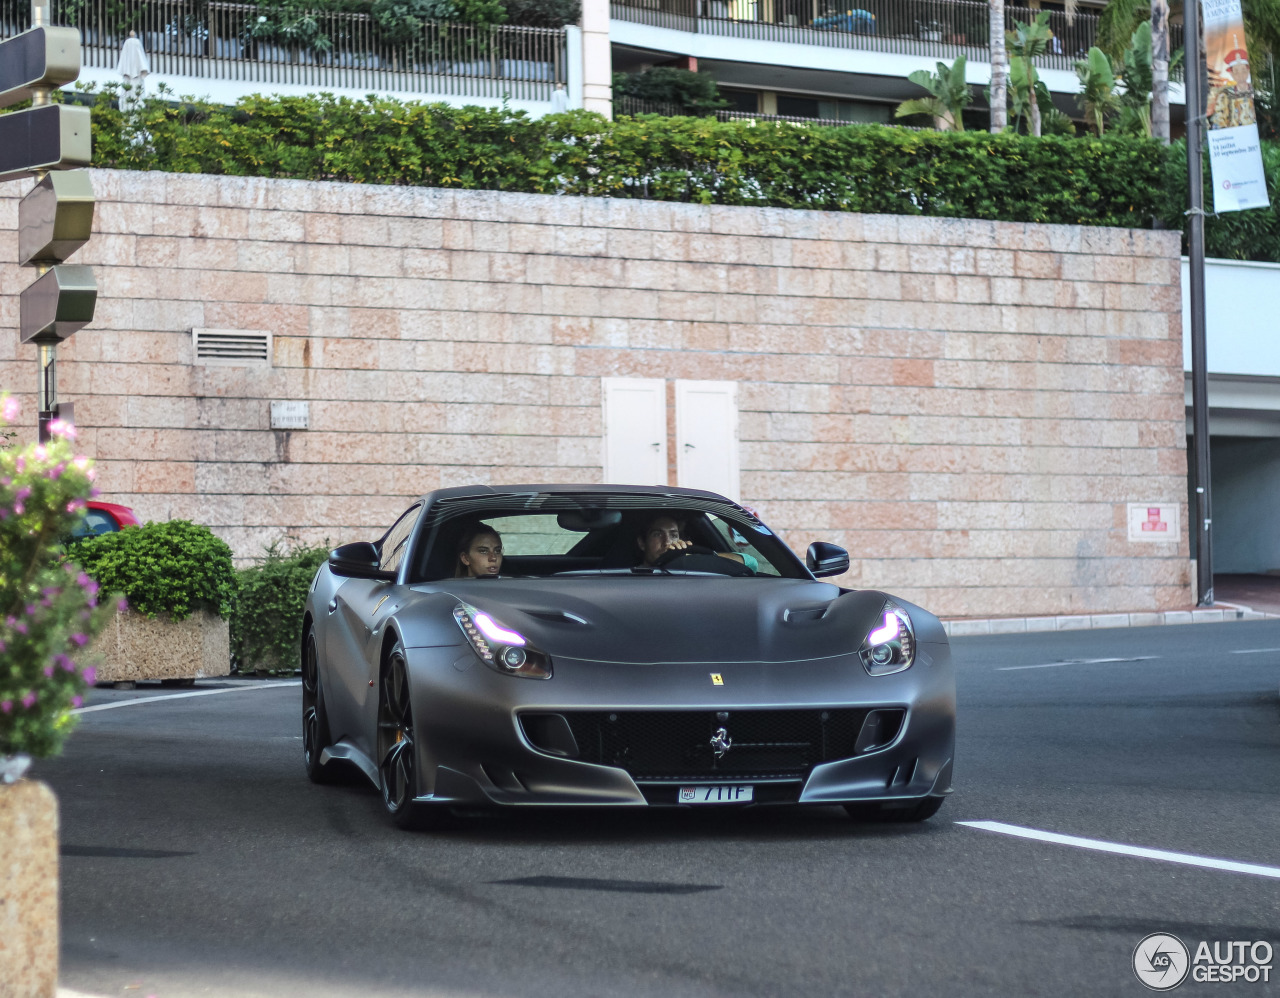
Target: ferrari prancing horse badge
x=717, y=679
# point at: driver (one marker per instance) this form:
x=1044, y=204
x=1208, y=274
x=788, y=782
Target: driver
x=662, y=534
x=479, y=553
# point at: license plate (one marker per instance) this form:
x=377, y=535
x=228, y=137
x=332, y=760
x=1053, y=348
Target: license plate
x=716, y=794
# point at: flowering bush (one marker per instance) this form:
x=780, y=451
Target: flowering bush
x=49, y=609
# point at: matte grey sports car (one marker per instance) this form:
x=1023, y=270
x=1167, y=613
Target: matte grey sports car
x=619, y=645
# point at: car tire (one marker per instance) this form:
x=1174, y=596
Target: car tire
x=397, y=748
x=872, y=812
x=315, y=720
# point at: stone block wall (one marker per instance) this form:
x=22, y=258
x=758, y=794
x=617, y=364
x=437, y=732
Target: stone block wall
x=967, y=406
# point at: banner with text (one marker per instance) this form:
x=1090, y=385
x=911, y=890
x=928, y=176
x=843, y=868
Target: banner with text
x=1235, y=156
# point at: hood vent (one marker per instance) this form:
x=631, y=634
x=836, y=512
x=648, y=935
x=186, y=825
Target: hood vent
x=805, y=614
x=556, y=617
x=242, y=347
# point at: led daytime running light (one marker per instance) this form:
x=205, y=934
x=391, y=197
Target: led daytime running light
x=886, y=631
x=496, y=633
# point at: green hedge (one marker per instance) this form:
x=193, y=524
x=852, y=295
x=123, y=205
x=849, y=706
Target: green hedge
x=866, y=168
x=170, y=569
x=266, y=623
x=1237, y=235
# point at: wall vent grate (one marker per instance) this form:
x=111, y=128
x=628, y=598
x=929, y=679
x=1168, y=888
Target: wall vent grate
x=243, y=347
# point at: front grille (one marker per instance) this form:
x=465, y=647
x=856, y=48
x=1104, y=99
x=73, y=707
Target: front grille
x=676, y=744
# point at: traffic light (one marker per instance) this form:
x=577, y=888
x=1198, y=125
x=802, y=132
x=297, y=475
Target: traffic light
x=45, y=141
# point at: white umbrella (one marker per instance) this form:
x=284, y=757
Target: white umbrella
x=132, y=67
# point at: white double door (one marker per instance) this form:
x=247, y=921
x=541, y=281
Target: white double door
x=705, y=438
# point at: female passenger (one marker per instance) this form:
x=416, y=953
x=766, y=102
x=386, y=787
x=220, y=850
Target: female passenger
x=479, y=552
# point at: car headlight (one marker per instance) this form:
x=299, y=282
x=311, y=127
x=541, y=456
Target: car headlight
x=500, y=647
x=891, y=645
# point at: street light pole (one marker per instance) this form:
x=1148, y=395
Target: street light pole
x=1199, y=364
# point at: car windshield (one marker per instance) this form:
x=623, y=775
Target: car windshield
x=653, y=538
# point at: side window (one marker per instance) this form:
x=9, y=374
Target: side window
x=394, y=544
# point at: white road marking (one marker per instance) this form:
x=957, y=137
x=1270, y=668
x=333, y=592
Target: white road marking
x=1253, y=651
x=182, y=696
x=1076, y=661
x=1097, y=845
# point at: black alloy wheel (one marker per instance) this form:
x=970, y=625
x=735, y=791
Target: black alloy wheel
x=920, y=811
x=315, y=722
x=397, y=747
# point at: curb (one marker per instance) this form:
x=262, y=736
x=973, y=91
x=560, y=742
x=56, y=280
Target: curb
x=1082, y=622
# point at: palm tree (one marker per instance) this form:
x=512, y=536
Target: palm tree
x=1160, y=70
x=999, y=78
x=1026, y=42
x=1097, y=89
x=948, y=95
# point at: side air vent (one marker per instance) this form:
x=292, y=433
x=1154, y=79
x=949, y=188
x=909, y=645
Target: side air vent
x=557, y=617
x=804, y=614
x=242, y=347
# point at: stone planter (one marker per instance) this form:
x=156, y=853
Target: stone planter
x=133, y=647
x=28, y=890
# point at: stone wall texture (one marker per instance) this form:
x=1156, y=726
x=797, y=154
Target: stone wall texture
x=967, y=406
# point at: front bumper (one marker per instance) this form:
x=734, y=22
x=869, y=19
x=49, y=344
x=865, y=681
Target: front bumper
x=475, y=745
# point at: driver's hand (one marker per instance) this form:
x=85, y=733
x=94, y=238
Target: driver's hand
x=679, y=545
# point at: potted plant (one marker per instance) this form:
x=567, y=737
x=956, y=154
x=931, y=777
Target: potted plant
x=179, y=584
x=49, y=613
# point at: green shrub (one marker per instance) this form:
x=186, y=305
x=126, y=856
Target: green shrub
x=868, y=168
x=543, y=13
x=172, y=568
x=49, y=610
x=266, y=625
x=694, y=93
x=1237, y=235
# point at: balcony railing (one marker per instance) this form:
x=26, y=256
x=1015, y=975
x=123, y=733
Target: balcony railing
x=942, y=29
x=319, y=49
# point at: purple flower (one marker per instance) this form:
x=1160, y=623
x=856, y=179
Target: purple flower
x=19, y=509
x=74, y=505
x=61, y=428
x=95, y=492
x=29, y=700
x=4, y=513
x=90, y=674
x=122, y=604
x=77, y=700
x=41, y=452
x=86, y=583
x=48, y=671
x=54, y=473
x=9, y=409
x=50, y=591
x=20, y=627
x=30, y=610
x=6, y=706
x=22, y=493
x=64, y=662
x=79, y=639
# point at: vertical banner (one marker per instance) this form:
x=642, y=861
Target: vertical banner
x=1235, y=157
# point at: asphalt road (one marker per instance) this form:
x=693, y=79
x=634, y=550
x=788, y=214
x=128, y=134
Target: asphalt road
x=199, y=861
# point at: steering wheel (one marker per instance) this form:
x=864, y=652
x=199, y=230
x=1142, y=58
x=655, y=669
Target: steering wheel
x=697, y=558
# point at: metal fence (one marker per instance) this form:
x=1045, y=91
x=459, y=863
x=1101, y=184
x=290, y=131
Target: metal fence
x=941, y=29
x=319, y=49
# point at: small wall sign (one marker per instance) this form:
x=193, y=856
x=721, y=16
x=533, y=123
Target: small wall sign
x=1153, y=522
x=290, y=415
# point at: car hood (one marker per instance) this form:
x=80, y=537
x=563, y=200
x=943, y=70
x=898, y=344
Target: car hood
x=666, y=619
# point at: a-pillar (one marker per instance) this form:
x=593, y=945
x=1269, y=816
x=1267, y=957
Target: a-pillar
x=597, y=60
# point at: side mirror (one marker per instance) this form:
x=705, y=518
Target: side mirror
x=825, y=559
x=358, y=561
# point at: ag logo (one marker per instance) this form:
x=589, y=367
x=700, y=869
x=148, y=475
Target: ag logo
x=1161, y=961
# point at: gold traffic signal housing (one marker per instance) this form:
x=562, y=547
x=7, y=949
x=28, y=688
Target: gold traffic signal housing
x=57, y=304
x=56, y=218
x=42, y=58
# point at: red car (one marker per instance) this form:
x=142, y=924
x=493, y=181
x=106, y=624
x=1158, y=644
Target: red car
x=105, y=517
